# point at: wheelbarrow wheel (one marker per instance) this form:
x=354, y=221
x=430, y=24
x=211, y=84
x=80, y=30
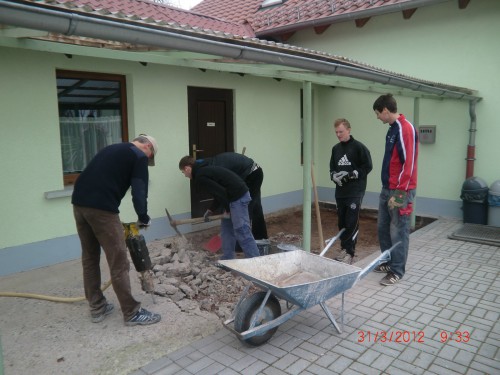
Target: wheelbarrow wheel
x=246, y=312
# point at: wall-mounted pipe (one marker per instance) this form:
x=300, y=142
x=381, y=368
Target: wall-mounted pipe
x=416, y=124
x=471, y=147
x=37, y=17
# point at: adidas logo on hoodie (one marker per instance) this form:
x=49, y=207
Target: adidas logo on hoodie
x=344, y=161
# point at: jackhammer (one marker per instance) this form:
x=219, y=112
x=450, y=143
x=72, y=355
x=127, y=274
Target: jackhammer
x=139, y=253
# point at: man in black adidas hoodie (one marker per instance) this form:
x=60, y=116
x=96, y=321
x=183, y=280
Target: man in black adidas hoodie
x=350, y=164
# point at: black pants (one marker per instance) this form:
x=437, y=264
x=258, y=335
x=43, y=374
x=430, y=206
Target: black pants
x=254, y=183
x=348, y=217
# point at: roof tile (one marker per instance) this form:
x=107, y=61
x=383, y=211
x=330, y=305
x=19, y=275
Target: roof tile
x=290, y=12
x=149, y=10
x=238, y=17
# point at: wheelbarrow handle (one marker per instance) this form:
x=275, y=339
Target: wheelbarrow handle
x=382, y=258
x=331, y=241
x=222, y=266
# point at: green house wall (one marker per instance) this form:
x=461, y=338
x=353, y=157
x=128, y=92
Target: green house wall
x=440, y=43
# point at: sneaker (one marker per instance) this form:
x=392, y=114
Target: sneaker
x=382, y=268
x=341, y=255
x=143, y=317
x=348, y=258
x=389, y=279
x=97, y=318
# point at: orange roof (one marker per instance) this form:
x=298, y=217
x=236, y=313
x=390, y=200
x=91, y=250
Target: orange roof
x=291, y=13
x=144, y=9
x=237, y=17
x=239, y=11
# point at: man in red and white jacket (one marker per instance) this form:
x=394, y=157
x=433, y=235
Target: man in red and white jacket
x=399, y=182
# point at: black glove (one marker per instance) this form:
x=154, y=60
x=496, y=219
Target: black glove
x=144, y=220
x=353, y=175
x=345, y=178
x=206, y=215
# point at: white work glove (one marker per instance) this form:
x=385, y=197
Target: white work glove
x=340, y=177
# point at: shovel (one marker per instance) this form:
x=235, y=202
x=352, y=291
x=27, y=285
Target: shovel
x=213, y=245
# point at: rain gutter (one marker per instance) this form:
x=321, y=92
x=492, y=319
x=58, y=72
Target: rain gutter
x=344, y=17
x=64, y=22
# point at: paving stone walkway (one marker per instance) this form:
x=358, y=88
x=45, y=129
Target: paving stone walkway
x=441, y=318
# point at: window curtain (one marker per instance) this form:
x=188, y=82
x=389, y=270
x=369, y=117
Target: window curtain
x=83, y=137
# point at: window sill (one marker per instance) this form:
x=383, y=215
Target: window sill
x=59, y=193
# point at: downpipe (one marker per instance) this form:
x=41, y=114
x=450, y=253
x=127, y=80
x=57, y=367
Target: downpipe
x=471, y=147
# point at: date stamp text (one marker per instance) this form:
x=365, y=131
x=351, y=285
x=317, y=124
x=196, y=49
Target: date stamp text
x=404, y=336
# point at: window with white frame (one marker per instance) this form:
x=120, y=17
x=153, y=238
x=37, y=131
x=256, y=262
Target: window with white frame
x=92, y=115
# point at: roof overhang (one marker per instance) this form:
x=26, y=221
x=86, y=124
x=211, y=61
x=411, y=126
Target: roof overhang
x=54, y=29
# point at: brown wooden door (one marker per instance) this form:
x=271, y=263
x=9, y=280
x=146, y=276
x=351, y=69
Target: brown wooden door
x=210, y=117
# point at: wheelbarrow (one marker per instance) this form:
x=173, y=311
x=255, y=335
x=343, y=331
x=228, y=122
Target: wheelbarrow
x=300, y=278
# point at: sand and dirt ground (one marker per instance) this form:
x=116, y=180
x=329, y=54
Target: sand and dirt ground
x=42, y=337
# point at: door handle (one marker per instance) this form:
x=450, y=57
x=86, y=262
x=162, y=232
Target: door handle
x=195, y=150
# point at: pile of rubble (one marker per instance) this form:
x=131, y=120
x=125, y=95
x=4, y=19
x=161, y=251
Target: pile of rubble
x=189, y=278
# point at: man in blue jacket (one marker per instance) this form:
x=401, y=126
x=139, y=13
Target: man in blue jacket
x=96, y=197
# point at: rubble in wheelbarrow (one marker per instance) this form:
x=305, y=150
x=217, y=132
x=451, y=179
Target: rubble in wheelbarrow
x=189, y=278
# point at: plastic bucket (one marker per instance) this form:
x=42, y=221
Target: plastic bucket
x=284, y=247
x=264, y=246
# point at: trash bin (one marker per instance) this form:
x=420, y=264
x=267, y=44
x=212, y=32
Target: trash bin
x=494, y=204
x=475, y=201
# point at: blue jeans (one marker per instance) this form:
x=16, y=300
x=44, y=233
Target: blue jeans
x=237, y=228
x=393, y=227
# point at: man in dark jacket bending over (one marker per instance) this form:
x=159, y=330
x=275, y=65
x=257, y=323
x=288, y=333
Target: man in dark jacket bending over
x=250, y=172
x=231, y=194
x=96, y=197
